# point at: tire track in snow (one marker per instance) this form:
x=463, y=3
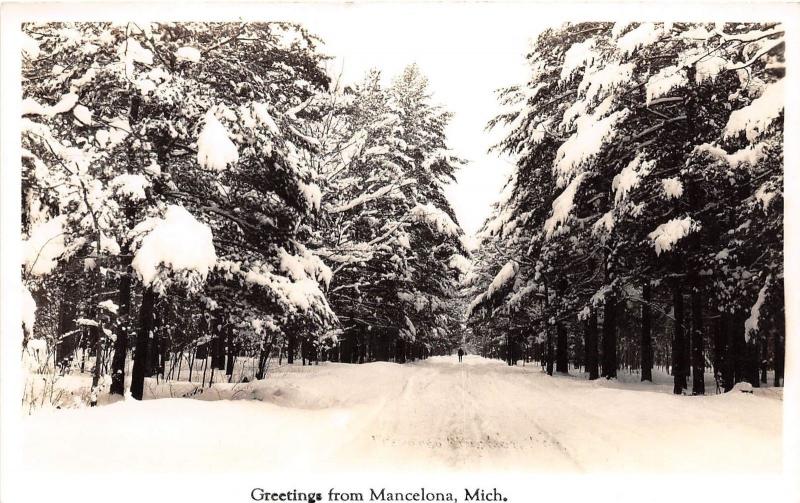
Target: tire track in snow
x=518, y=410
x=510, y=421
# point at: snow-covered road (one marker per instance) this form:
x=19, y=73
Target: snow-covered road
x=437, y=413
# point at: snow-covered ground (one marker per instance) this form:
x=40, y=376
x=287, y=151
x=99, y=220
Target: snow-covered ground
x=479, y=415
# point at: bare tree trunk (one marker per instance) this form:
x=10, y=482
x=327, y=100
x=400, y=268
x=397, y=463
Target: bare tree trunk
x=143, y=339
x=647, y=336
x=698, y=334
x=548, y=333
x=591, y=345
x=266, y=349
x=216, y=347
x=66, y=344
x=123, y=327
x=609, y=337
x=562, y=363
x=290, y=348
x=679, y=363
x=764, y=360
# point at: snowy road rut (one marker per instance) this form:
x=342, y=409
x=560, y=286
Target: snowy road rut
x=437, y=413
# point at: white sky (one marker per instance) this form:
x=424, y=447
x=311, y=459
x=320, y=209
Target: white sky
x=467, y=51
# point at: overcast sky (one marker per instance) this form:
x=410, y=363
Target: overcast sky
x=467, y=51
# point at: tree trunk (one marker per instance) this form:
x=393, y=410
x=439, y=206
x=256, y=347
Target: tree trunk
x=123, y=327
x=290, y=348
x=698, y=334
x=217, y=345
x=679, y=362
x=548, y=333
x=741, y=353
x=719, y=351
x=591, y=345
x=66, y=344
x=728, y=351
x=97, y=338
x=779, y=357
x=646, y=350
x=266, y=349
x=143, y=337
x=764, y=360
x=230, y=351
x=562, y=363
x=609, y=338
x=154, y=348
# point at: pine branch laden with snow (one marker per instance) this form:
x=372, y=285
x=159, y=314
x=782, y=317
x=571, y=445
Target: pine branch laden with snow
x=591, y=136
x=215, y=150
x=436, y=219
x=672, y=188
x=629, y=177
x=132, y=186
x=643, y=35
x=665, y=82
x=758, y=116
x=667, y=235
x=174, y=244
x=562, y=206
x=189, y=54
x=460, y=263
x=44, y=246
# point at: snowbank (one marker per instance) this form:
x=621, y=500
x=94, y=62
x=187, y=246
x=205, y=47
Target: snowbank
x=434, y=414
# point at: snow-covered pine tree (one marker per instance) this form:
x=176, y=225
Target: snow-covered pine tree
x=625, y=118
x=126, y=126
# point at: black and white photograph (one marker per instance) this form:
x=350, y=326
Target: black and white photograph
x=445, y=251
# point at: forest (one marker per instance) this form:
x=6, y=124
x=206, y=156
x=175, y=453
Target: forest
x=204, y=192
x=643, y=224
x=206, y=197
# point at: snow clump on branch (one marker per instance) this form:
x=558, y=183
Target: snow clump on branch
x=178, y=242
x=666, y=235
x=435, y=218
x=215, y=150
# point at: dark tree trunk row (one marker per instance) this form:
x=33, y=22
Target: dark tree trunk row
x=647, y=336
x=609, y=337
